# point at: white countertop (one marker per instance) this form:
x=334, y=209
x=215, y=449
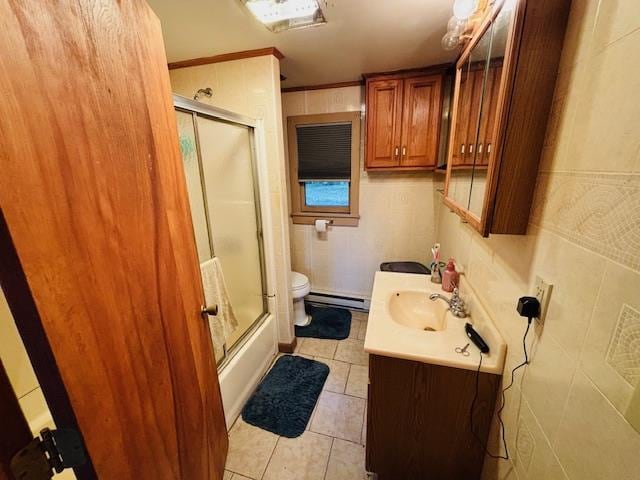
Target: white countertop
x=386, y=337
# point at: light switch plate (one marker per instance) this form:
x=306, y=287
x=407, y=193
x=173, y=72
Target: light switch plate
x=542, y=291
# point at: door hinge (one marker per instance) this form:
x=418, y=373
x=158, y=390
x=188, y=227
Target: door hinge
x=48, y=454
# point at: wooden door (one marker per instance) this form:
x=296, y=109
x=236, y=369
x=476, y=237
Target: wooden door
x=421, y=121
x=15, y=430
x=384, y=118
x=99, y=258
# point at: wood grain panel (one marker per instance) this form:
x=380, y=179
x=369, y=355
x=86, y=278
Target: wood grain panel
x=226, y=57
x=422, y=109
x=15, y=430
x=384, y=118
x=418, y=423
x=95, y=202
x=356, y=83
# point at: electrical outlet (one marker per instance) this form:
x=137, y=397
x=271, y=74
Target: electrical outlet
x=542, y=291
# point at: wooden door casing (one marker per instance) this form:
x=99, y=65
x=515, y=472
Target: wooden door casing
x=95, y=202
x=384, y=119
x=422, y=109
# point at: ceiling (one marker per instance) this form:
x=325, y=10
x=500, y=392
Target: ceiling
x=360, y=36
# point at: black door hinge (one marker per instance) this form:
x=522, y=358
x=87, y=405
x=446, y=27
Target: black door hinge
x=48, y=454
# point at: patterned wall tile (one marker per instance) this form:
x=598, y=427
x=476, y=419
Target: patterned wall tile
x=624, y=349
x=598, y=211
x=525, y=446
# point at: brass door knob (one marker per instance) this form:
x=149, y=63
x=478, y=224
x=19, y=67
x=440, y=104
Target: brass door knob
x=212, y=310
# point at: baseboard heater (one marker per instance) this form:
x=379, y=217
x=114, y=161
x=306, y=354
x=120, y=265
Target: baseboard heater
x=327, y=299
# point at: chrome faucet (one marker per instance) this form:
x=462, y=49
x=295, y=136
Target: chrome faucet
x=456, y=304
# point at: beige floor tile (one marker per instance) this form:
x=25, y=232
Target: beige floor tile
x=339, y=416
x=227, y=475
x=240, y=477
x=302, y=458
x=355, y=328
x=359, y=315
x=352, y=351
x=249, y=449
x=346, y=461
x=338, y=374
x=317, y=347
x=363, y=330
x=358, y=381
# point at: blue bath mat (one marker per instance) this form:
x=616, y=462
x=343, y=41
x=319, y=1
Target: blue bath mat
x=284, y=400
x=334, y=323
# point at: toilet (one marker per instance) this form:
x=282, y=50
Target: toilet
x=300, y=288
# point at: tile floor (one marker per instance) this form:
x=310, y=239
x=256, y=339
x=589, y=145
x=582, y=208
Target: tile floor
x=332, y=447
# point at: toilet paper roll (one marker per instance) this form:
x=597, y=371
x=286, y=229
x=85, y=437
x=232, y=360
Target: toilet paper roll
x=321, y=225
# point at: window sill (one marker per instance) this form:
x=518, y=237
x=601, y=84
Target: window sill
x=339, y=219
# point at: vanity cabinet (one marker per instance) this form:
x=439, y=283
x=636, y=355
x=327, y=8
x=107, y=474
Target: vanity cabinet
x=503, y=91
x=418, y=420
x=403, y=121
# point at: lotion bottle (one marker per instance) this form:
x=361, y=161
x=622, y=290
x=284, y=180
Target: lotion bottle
x=450, y=276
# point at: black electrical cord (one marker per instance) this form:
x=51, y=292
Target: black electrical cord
x=499, y=413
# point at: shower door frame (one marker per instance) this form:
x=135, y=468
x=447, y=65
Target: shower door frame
x=196, y=109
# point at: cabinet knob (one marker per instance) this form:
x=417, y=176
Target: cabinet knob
x=462, y=149
x=480, y=148
x=396, y=152
x=488, y=148
x=404, y=151
x=470, y=148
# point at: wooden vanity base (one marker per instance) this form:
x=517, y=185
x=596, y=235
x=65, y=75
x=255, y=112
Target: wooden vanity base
x=418, y=422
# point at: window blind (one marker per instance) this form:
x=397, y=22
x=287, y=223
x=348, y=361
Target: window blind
x=324, y=151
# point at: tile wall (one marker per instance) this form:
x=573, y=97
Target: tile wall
x=566, y=416
x=398, y=214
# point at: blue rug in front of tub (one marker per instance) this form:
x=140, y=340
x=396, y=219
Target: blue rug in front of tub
x=332, y=323
x=284, y=400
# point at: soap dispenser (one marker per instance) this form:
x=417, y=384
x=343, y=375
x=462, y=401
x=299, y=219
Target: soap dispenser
x=450, y=276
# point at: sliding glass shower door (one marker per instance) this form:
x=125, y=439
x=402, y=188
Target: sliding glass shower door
x=220, y=170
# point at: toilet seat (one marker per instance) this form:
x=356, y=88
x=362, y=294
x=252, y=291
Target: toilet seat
x=299, y=285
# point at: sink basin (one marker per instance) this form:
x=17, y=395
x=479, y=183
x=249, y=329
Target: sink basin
x=403, y=323
x=413, y=309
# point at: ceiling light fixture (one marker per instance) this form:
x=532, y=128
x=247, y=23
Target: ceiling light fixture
x=279, y=15
x=462, y=10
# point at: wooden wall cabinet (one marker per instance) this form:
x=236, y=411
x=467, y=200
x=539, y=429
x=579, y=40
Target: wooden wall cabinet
x=418, y=420
x=403, y=120
x=503, y=91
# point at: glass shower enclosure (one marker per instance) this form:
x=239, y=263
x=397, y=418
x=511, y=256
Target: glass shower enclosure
x=219, y=160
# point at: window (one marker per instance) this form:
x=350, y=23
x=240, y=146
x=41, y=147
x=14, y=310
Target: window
x=324, y=156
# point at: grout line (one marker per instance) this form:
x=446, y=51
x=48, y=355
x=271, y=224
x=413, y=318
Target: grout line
x=326, y=467
x=270, y=458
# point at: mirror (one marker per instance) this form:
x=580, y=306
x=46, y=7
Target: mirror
x=464, y=151
x=487, y=124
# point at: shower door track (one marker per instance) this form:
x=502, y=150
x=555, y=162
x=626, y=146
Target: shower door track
x=207, y=111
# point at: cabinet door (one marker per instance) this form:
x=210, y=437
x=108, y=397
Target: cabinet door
x=459, y=148
x=420, y=121
x=487, y=128
x=384, y=116
x=476, y=76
